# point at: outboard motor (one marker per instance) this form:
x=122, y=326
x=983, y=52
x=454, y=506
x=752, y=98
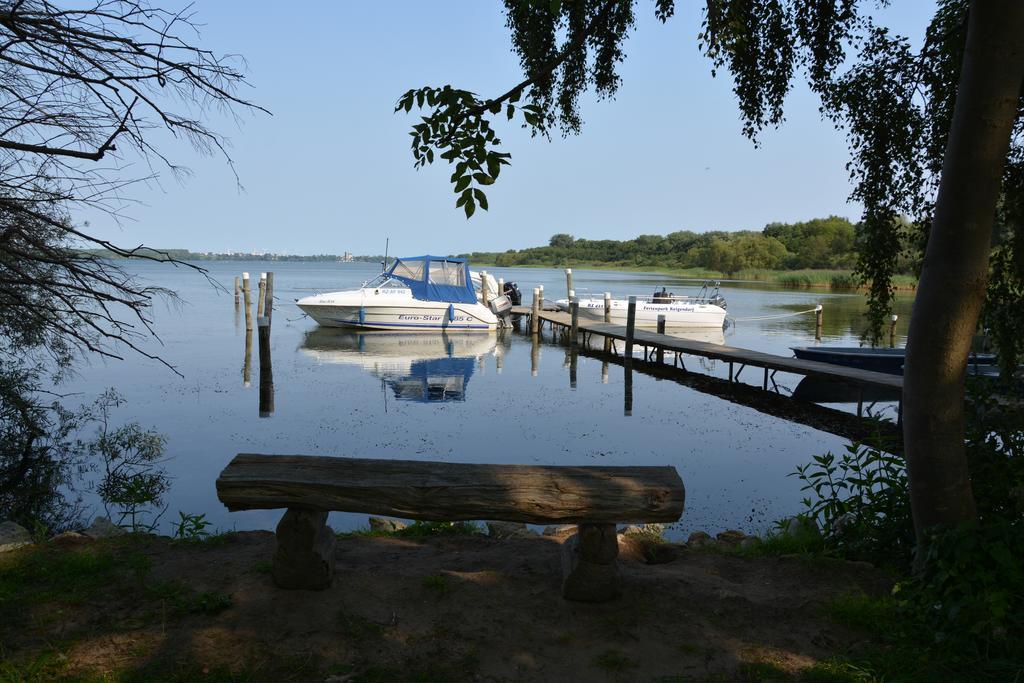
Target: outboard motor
x=513, y=294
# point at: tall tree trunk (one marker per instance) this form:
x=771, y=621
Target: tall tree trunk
x=955, y=273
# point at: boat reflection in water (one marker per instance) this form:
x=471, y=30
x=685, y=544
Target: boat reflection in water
x=708, y=335
x=421, y=367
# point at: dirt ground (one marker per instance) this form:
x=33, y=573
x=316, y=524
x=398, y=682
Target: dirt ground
x=445, y=608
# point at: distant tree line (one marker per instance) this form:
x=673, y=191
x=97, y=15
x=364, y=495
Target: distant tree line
x=186, y=255
x=818, y=243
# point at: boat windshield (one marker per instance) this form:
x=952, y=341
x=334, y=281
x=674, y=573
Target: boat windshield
x=385, y=281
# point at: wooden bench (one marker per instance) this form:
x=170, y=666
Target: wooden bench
x=594, y=498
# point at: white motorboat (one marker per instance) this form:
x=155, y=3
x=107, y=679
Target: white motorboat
x=413, y=294
x=706, y=309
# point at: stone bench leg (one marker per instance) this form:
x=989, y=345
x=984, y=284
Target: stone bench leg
x=305, y=551
x=590, y=572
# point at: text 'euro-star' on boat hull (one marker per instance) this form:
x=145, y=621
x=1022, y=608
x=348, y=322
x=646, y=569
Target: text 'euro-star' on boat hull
x=423, y=293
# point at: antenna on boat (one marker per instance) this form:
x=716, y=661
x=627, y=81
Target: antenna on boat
x=384, y=266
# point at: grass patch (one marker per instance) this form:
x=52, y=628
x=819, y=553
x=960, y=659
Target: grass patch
x=358, y=627
x=437, y=584
x=862, y=612
x=182, y=600
x=37, y=574
x=614, y=661
x=44, y=666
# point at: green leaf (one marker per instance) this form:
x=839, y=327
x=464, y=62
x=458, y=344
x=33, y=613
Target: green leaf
x=483, y=178
x=463, y=183
x=481, y=198
x=510, y=111
x=470, y=207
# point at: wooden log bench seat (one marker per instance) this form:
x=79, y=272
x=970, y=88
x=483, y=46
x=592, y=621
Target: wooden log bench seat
x=593, y=498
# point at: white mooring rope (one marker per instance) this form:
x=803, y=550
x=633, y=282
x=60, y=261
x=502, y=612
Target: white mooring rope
x=772, y=317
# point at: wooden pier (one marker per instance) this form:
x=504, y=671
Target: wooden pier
x=657, y=346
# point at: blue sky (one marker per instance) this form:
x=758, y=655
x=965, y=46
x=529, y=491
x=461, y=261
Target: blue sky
x=330, y=171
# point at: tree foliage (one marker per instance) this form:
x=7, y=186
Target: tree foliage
x=85, y=90
x=817, y=243
x=893, y=103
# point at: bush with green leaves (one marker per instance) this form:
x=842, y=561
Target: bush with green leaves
x=133, y=480
x=860, y=501
x=969, y=596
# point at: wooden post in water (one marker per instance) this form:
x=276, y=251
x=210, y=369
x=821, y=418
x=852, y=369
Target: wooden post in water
x=238, y=291
x=568, y=283
x=483, y=287
x=817, y=322
x=501, y=286
x=266, y=408
x=607, y=319
x=892, y=331
x=535, y=313
x=541, y=297
x=535, y=356
x=604, y=372
x=268, y=311
x=261, y=297
x=247, y=362
x=574, y=329
x=630, y=329
x=661, y=330
x=247, y=295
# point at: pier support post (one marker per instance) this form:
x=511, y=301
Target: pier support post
x=630, y=329
x=484, y=293
x=892, y=331
x=607, y=319
x=574, y=329
x=535, y=313
x=247, y=296
x=268, y=310
x=541, y=288
x=590, y=571
x=818, y=315
x=238, y=291
x=568, y=283
x=660, y=354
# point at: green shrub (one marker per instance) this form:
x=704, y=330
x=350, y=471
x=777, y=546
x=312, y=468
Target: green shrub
x=861, y=503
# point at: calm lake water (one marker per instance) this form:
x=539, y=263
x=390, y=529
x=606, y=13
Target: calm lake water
x=461, y=398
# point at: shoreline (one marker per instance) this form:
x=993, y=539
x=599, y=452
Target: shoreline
x=786, y=279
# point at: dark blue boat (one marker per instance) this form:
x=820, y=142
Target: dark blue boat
x=879, y=360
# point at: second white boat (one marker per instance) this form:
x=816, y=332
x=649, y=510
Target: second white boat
x=707, y=309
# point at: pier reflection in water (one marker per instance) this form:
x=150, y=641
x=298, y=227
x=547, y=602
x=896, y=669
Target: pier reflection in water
x=421, y=367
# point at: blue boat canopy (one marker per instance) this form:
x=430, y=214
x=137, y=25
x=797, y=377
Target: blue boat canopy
x=435, y=278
